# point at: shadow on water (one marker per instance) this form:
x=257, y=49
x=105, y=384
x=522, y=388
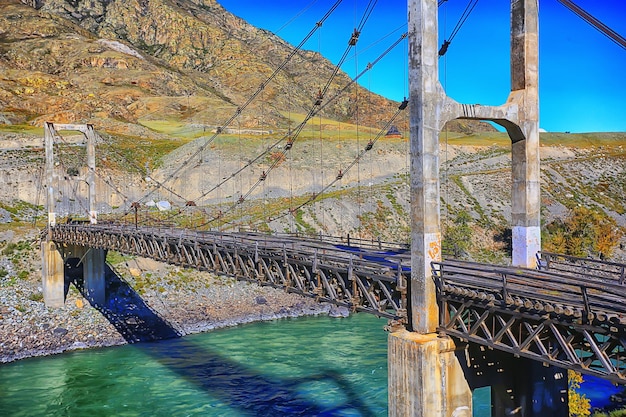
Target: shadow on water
x=232, y=383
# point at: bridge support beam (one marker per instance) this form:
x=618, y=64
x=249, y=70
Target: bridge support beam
x=93, y=267
x=53, y=275
x=425, y=377
x=94, y=275
x=425, y=380
x=53, y=272
x=419, y=376
x=50, y=131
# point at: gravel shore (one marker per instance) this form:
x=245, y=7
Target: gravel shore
x=150, y=301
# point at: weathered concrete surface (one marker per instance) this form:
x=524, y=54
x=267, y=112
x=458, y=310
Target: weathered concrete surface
x=526, y=197
x=426, y=103
x=419, y=383
x=50, y=132
x=52, y=275
x=425, y=377
x=94, y=275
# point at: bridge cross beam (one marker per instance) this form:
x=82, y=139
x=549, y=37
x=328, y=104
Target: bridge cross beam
x=425, y=376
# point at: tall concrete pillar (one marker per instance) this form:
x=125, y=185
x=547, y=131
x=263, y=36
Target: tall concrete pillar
x=52, y=275
x=92, y=261
x=425, y=380
x=91, y=175
x=88, y=131
x=426, y=101
x=526, y=193
x=49, y=147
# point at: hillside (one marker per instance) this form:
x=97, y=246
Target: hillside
x=156, y=79
x=117, y=64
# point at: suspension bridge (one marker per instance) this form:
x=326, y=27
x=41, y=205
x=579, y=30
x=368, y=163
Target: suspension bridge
x=460, y=324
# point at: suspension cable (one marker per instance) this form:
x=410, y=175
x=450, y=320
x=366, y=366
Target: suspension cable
x=293, y=135
x=464, y=16
x=604, y=29
x=291, y=138
x=354, y=162
x=239, y=109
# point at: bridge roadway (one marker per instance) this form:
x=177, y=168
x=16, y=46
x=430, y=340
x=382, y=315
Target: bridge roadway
x=570, y=313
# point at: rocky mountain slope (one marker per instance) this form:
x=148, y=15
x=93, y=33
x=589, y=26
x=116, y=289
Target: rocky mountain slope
x=117, y=63
x=156, y=78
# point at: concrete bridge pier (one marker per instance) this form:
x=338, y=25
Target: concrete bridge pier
x=425, y=378
x=55, y=264
x=53, y=275
x=94, y=281
x=54, y=258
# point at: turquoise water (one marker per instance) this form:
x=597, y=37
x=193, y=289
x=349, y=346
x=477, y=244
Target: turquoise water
x=311, y=366
x=314, y=366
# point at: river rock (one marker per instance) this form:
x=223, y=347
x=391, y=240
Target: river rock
x=60, y=331
x=338, y=312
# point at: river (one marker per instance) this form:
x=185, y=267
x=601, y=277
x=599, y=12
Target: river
x=310, y=366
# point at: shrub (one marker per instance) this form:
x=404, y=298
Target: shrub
x=579, y=404
x=585, y=232
x=37, y=296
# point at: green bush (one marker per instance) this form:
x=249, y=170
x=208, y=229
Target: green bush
x=585, y=232
x=9, y=249
x=37, y=296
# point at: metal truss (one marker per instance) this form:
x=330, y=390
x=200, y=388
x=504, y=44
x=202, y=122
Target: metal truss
x=311, y=269
x=552, y=318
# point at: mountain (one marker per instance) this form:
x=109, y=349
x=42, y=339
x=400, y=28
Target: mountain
x=116, y=64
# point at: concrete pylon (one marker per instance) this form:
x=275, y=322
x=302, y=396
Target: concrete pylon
x=425, y=380
x=53, y=260
x=53, y=275
x=50, y=131
x=93, y=267
x=94, y=280
x=520, y=117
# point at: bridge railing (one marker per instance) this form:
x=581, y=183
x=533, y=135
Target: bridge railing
x=587, y=297
x=363, y=280
x=585, y=267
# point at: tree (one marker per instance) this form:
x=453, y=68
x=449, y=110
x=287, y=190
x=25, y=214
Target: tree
x=579, y=404
x=457, y=237
x=585, y=232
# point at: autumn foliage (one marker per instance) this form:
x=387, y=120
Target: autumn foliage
x=585, y=232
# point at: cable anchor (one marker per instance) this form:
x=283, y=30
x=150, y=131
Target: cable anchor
x=354, y=38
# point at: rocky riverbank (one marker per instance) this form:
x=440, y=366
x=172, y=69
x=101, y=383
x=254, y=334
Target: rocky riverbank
x=145, y=301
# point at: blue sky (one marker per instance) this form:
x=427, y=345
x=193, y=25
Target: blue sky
x=582, y=76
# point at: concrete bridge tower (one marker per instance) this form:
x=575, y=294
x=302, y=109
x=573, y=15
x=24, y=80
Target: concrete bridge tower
x=53, y=255
x=425, y=377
